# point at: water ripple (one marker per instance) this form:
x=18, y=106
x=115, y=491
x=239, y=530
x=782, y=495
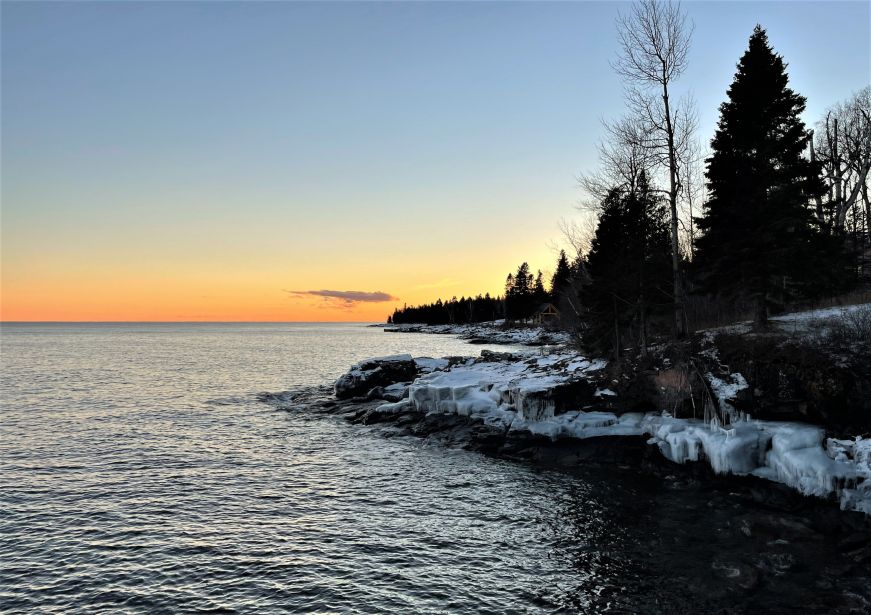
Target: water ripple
x=145, y=470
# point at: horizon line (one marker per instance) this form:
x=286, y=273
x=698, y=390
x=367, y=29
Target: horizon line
x=188, y=322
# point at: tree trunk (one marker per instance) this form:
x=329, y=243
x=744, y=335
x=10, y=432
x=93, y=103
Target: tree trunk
x=679, y=328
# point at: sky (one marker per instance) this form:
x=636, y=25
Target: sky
x=248, y=161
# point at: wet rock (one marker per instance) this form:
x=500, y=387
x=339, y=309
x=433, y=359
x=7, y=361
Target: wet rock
x=737, y=573
x=392, y=393
x=405, y=419
x=355, y=411
x=375, y=393
x=854, y=541
x=776, y=563
x=861, y=555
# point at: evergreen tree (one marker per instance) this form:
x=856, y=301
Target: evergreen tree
x=759, y=238
x=561, y=277
x=630, y=269
x=523, y=280
x=539, y=294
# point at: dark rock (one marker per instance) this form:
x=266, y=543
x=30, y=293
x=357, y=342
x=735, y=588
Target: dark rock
x=371, y=373
x=854, y=541
x=375, y=393
x=799, y=380
x=738, y=573
x=862, y=555
x=491, y=356
x=392, y=393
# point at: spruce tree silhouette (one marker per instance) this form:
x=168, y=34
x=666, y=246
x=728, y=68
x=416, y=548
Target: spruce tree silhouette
x=759, y=239
x=560, y=280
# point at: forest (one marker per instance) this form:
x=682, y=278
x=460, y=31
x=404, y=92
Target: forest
x=674, y=237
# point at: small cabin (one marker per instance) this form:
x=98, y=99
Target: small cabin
x=546, y=314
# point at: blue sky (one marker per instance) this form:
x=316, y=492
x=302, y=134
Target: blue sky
x=335, y=136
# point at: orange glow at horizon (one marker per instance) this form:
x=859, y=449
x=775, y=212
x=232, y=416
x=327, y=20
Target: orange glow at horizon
x=34, y=304
x=233, y=266
x=52, y=292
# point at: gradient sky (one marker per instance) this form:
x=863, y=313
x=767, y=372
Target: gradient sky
x=198, y=161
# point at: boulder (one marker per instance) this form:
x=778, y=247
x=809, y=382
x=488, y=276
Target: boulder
x=376, y=372
x=391, y=393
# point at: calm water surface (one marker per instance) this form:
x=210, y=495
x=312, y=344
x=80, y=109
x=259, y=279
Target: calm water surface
x=143, y=472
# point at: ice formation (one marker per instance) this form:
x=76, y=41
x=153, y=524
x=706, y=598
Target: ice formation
x=519, y=395
x=726, y=391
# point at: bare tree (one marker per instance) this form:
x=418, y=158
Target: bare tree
x=654, y=40
x=842, y=145
x=692, y=182
x=623, y=155
x=578, y=234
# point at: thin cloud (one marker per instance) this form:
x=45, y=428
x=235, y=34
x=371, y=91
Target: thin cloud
x=347, y=298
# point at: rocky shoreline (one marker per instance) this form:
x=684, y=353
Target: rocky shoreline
x=550, y=407
x=681, y=419
x=760, y=530
x=682, y=403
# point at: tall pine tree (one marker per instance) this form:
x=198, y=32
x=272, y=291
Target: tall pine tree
x=759, y=238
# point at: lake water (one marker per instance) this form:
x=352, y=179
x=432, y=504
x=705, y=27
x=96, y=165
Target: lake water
x=143, y=472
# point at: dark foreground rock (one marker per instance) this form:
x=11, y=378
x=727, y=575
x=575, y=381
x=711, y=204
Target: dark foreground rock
x=802, y=380
x=377, y=372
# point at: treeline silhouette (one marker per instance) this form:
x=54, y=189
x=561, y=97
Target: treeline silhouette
x=785, y=220
x=462, y=311
x=524, y=295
